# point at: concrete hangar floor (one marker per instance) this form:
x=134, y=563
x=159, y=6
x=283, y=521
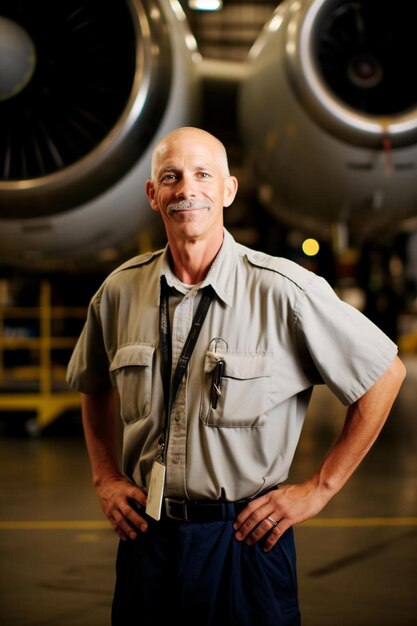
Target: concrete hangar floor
x=357, y=561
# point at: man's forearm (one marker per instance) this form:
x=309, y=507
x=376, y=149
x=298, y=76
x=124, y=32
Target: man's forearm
x=364, y=421
x=99, y=415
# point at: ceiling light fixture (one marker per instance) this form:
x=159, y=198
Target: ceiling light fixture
x=205, y=5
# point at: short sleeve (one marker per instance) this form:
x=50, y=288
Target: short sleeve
x=348, y=350
x=88, y=368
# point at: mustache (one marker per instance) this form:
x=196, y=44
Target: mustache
x=184, y=205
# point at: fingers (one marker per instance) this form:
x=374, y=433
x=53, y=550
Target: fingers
x=261, y=518
x=125, y=521
x=120, y=526
x=253, y=530
x=275, y=533
x=137, y=494
x=124, y=506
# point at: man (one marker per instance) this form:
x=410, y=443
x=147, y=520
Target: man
x=213, y=408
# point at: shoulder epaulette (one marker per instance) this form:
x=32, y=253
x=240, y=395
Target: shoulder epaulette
x=290, y=270
x=137, y=261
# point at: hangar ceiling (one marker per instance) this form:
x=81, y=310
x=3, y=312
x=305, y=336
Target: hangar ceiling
x=229, y=33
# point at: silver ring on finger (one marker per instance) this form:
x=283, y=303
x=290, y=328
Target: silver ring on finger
x=273, y=522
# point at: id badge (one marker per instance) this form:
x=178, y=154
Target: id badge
x=156, y=490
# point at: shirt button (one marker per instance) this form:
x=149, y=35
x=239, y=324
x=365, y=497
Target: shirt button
x=175, y=461
x=177, y=417
x=180, y=337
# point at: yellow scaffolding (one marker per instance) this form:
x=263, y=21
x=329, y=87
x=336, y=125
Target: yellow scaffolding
x=52, y=396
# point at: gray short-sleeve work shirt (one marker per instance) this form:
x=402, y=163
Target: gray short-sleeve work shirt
x=280, y=329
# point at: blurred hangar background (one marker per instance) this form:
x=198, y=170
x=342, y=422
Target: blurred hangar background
x=316, y=103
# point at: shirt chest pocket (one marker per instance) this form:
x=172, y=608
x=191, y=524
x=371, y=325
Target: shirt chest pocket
x=132, y=371
x=245, y=390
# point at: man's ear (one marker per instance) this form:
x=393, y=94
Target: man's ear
x=230, y=190
x=150, y=192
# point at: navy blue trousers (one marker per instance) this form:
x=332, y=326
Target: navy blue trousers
x=199, y=574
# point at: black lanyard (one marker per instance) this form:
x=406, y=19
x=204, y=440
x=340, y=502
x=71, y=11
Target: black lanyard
x=171, y=389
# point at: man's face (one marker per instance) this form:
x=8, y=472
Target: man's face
x=190, y=186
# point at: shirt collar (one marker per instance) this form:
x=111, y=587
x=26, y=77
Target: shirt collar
x=220, y=275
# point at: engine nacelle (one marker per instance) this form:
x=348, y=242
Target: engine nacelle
x=329, y=114
x=88, y=89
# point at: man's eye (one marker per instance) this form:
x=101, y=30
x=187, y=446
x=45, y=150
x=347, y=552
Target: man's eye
x=203, y=174
x=168, y=177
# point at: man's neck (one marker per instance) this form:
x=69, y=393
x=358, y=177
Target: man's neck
x=193, y=259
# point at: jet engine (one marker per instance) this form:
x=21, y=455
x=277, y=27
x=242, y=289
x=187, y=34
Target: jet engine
x=86, y=90
x=328, y=113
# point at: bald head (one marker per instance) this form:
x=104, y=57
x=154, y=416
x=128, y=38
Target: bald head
x=194, y=135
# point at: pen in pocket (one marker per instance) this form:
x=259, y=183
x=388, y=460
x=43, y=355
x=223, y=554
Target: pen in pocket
x=216, y=385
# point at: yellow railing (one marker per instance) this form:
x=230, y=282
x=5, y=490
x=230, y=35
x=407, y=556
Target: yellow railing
x=48, y=394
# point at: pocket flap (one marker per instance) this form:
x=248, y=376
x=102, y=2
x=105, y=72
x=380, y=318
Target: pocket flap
x=133, y=354
x=241, y=365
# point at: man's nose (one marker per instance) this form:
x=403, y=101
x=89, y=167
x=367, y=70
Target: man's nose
x=185, y=187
